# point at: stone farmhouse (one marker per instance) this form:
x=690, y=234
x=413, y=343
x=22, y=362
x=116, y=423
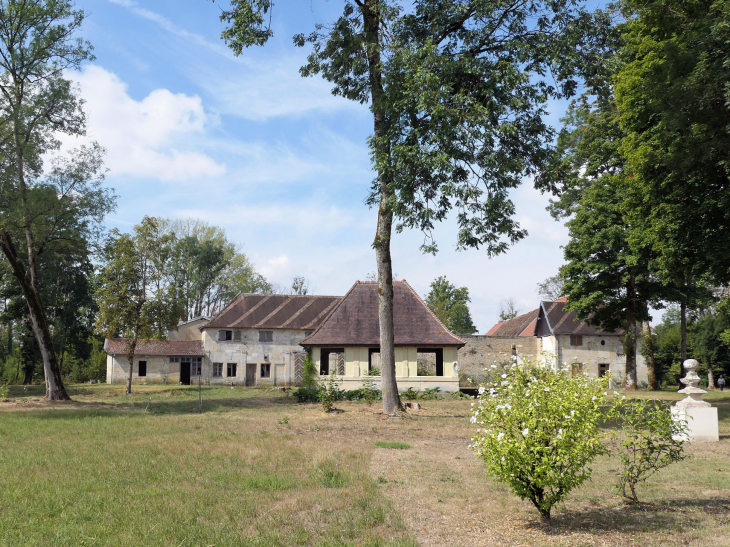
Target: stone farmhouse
x=551, y=333
x=263, y=339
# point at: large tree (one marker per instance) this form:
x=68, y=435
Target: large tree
x=451, y=305
x=457, y=91
x=131, y=300
x=37, y=46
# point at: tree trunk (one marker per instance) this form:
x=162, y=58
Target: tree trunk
x=683, y=331
x=371, y=23
x=55, y=390
x=648, y=352
x=629, y=341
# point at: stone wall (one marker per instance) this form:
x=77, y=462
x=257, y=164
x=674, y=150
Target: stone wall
x=481, y=351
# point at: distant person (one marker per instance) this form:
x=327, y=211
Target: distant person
x=721, y=383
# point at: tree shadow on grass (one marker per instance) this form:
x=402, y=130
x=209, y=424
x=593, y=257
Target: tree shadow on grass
x=671, y=514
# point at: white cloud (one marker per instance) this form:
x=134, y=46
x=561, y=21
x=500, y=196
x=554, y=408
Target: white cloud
x=156, y=137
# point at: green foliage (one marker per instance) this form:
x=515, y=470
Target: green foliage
x=392, y=444
x=648, y=440
x=451, y=305
x=369, y=392
x=329, y=392
x=306, y=395
x=332, y=475
x=409, y=394
x=310, y=374
x=4, y=392
x=538, y=430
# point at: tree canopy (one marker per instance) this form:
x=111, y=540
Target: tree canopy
x=451, y=305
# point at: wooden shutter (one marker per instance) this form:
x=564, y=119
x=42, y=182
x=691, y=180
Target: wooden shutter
x=221, y=335
x=237, y=335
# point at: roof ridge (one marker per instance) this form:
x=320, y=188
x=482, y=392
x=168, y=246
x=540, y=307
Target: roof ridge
x=273, y=313
x=431, y=311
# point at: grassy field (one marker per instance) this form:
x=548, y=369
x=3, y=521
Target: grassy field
x=256, y=468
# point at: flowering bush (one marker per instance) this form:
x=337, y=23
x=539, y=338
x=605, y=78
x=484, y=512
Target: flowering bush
x=648, y=440
x=538, y=430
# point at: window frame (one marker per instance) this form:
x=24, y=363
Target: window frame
x=576, y=340
x=142, y=365
x=266, y=336
x=231, y=367
x=265, y=370
x=219, y=368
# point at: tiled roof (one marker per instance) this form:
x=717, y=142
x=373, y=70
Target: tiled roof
x=522, y=325
x=563, y=321
x=274, y=311
x=354, y=321
x=120, y=346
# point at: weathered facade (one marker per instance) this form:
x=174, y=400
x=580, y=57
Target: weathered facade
x=155, y=361
x=565, y=341
x=350, y=340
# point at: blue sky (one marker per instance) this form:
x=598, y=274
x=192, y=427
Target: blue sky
x=274, y=159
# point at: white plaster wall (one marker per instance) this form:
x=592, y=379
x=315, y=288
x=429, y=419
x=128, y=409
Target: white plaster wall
x=188, y=331
x=158, y=370
x=592, y=353
x=250, y=351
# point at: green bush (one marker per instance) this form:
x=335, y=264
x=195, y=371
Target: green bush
x=538, y=431
x=409, y=394
x=306, y=395
x=369, y=392
x=309, y=374
x=329, y=392
x=648, y=439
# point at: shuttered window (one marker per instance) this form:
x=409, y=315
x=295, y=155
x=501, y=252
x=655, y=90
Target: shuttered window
x=224, y=335
x=237, y=335
x=576, y=339
x=266, y=336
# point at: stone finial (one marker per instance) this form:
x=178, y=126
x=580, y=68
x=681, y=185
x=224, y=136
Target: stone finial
x=693, y=393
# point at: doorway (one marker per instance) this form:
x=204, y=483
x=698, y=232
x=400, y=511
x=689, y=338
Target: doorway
x=185, y=373
x=250, y=374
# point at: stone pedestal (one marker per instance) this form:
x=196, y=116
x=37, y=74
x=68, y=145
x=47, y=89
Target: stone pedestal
x=700, y=416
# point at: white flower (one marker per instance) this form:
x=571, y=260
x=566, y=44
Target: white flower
x=493, y=366
x=525, y=432
x=594, y=398
x=502, y=458
x=560, y=431
x=546, y=389
x=500, y=436
x=504, y=376
x=527, y=393
x=482, y=389
x=504, y=382
x=473, y=419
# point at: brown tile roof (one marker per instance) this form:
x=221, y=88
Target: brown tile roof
x=274, y=311
x=562, y=321
x=354, y=321
x=522, y=325
x=120, y=346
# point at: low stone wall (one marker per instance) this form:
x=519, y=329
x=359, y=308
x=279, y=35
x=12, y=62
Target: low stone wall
x=481, y=351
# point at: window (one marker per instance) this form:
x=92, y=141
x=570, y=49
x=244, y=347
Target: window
x=266, y=370
x=142, y=368
x=196, y=366
x=308, y=333
x=217, y=370
x=266, y=336
x=225, y=335
x=174, y=359
x=325, y=364
x=603, y=342
x=432, y=361
x=602, y=369
x=576, y=339
x=237, y=335
x=231, y=370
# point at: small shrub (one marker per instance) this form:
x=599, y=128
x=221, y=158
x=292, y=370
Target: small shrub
x=375, y=371
x=409, y=394
x=4, y=392
x=307, y=395
x=392, y=444
x=647, y=441
x=431, y=393
x=329, y=392
x=369, y=391
x=539, y=429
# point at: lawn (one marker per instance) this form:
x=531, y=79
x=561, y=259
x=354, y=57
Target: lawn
x=256, y=468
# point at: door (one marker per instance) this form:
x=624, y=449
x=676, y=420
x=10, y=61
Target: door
x=250, y=374
x=279, y=371
x=185, y=373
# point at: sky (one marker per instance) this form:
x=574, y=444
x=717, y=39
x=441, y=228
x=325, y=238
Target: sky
x=245, y=143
